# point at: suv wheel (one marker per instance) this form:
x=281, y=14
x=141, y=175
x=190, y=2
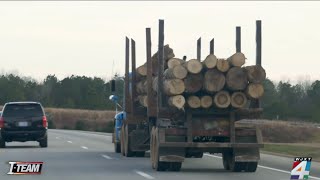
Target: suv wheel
x=44, y=142
x=2, y=143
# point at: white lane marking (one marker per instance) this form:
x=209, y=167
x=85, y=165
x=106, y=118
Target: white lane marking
x=145, y=175
x=213, y=156
x=265, y=167
x=69, y=142
x=106, y=156
x=83, y=147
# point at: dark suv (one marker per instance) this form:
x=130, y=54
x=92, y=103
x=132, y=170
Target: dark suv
x=23, y=121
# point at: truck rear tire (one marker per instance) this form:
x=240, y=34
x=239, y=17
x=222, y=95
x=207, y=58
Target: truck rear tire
x=156, y=164
x=226, y=160
x=251, y=166
x=2, y=143
x=229, y=162
x=175, y=166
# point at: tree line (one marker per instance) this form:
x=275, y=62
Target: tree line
x=283, y=100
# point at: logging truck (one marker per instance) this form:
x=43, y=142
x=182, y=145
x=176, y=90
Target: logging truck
x=179, y=108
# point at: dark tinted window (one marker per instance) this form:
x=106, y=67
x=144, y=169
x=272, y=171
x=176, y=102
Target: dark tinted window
x=22, y=110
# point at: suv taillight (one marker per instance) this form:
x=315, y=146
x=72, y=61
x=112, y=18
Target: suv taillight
x=44, y=121
x=1, y=122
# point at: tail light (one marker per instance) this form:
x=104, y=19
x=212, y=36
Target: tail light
x=44, y=121
x=1, y=122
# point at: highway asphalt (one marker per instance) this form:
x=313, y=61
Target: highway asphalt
x=78, y=155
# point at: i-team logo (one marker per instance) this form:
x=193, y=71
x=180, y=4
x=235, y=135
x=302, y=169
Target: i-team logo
x=301, y=168
x=20, y=168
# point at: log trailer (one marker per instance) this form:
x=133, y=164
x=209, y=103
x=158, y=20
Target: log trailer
x=172, y=135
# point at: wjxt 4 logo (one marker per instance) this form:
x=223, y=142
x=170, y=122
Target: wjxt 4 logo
x=17, y=168
x=301, y=168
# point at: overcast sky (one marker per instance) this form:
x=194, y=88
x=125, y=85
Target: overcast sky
x=87, y=38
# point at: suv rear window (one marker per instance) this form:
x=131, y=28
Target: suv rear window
x=22, y=110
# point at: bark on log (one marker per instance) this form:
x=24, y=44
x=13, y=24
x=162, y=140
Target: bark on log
x=143, y=100
x=173, y=87
x=193, y=83
x=177, y=101
x=214, y=81
x=255, y=90
x=238, y=59
x=193, y=66
x=210, y=61
x=206, y=101
x=238, y=100
x=194, y=102
x=256, y=74
x=222, y=99
x=141, y=87
x=174, y=62
x=168, y=54
x=236, y=79
x=223, y=65
x=177, y=72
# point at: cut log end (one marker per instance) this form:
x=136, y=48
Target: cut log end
x=193, y=83
x=214, y=81
x=255, y=90
x=174, y=62
x=194, y=102
x=173, y=87
x=193, y=66
x=256, y=74
x=177, y=101
x=143, y=100
x=222, y=99
x=223, y=65
x=210, y=61
x=206, y=101
x=236, y=79
x=238, y=59
x=177, y=72
x=238, y=100
x=142, y=70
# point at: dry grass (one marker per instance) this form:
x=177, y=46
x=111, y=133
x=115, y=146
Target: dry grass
x=288, y=132
x=70, y=118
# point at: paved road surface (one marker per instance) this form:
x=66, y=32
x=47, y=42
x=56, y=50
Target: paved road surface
x=89, y=156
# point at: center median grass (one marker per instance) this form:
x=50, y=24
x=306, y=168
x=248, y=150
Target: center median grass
x=294, y=150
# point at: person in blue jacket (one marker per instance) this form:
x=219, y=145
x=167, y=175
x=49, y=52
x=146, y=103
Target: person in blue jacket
x=119, y=118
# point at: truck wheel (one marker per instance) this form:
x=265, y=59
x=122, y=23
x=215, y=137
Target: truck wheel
x=128, y=152
x=2, y=143
x=157, y=165
x=251, y=166
x=226, y=159
x=44, y=142
x=175, y=166
x=229, y=162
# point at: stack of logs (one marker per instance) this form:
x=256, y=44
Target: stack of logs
x=214, y=82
